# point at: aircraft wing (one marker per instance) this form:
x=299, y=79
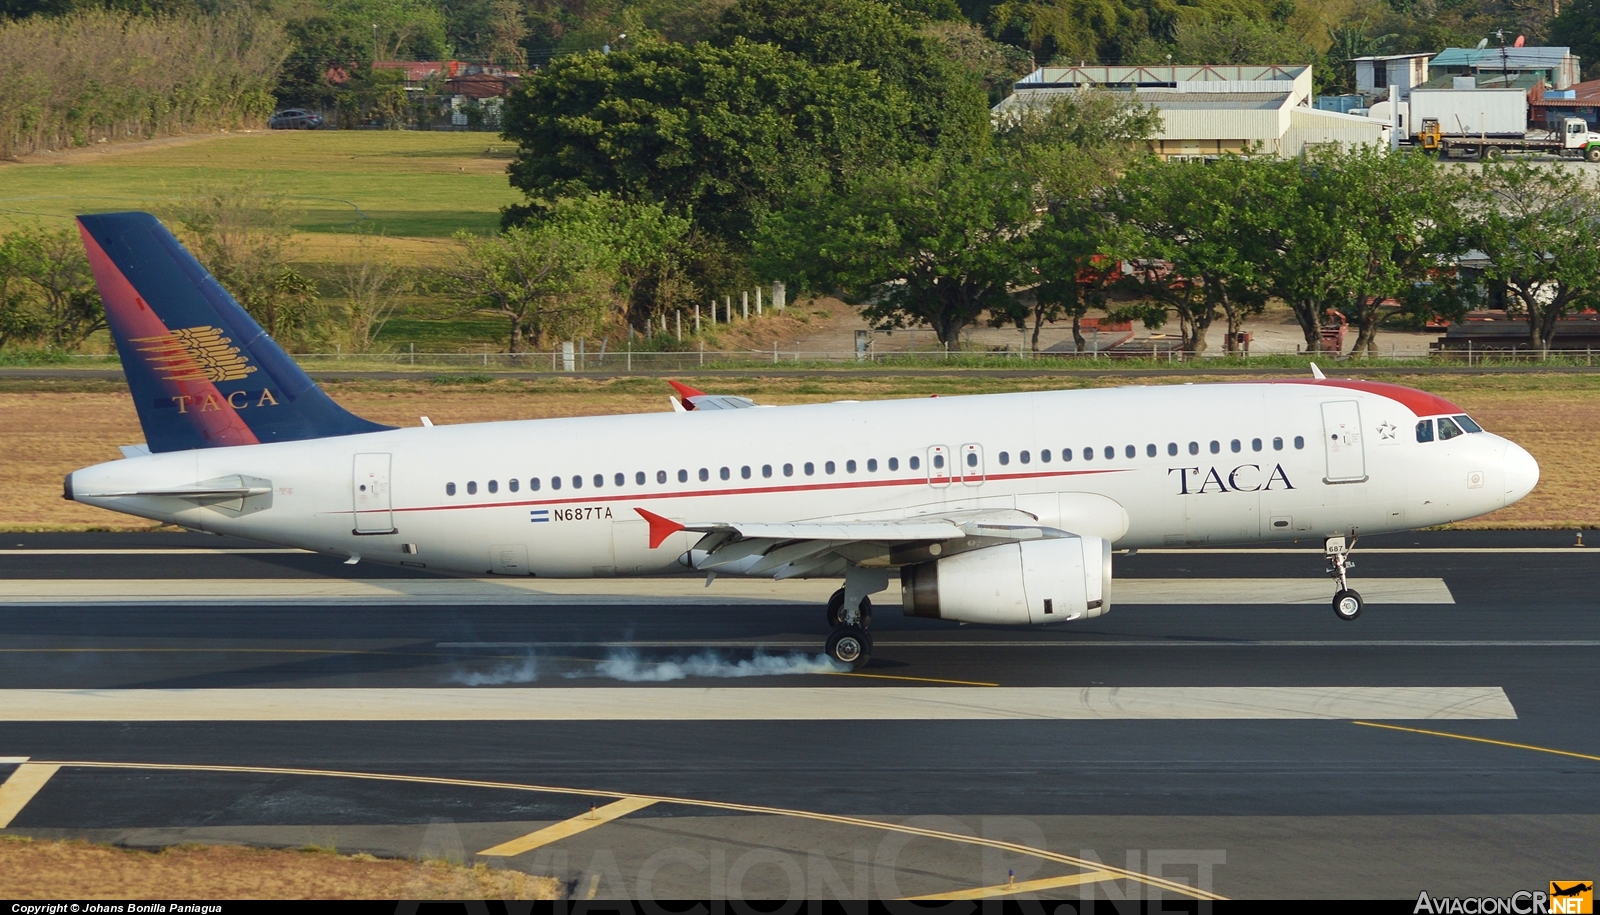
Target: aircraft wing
x=690, y=399
x=791, y=549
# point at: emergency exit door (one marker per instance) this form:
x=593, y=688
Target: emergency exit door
x=370, y=489
x=1341, y=437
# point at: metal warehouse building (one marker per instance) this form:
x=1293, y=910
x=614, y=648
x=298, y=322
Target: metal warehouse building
x=1206, y=111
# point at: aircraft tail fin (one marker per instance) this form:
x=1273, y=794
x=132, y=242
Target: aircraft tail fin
x=202, y=372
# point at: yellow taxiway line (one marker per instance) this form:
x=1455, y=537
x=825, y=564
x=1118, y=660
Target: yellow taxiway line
x=20, y=788
x=1498, y=743
x=1014, y=889
x=567, y=828
x=902, y=829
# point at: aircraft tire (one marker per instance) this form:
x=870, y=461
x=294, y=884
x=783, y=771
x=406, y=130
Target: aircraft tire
x=850, y=646
x=836, y=610
x=1347, y=604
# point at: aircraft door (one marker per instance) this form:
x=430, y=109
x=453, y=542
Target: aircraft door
x=369, y=487
x=971, y=469
x=1341, y=437
x=938, y=466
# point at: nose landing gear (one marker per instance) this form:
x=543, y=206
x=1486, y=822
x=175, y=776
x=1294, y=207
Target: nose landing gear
x=1347, y=601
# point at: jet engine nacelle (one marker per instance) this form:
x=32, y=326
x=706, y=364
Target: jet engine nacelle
x=1033, y=581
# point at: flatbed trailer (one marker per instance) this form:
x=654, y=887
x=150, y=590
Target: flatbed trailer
x=1572, y=141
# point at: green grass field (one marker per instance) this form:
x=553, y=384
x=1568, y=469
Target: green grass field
x=403, y=184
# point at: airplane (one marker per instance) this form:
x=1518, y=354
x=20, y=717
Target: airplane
x=998, y=509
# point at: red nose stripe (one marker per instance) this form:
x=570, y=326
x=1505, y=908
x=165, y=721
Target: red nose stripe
x=1419, y=402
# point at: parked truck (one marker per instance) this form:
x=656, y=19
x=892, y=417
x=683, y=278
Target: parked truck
x=1484, y=124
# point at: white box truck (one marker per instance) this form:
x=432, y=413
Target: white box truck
x=1484, y=124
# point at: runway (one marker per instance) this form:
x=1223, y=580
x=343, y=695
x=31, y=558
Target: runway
x=1220, y=732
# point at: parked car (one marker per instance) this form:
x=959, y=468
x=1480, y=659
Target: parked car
x=295, y=119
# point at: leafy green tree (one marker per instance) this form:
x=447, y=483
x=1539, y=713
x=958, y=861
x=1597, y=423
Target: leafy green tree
x=1188, y=229
x=546, y=283
x=1072, y=149
x=1539, y=228
x=932, y=241
x=1578, y=27
x=46, y=288
x=714, y=134
x=946, y=104
x=653, y=251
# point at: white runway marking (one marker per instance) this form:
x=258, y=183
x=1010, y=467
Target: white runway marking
x=542, y=591
x=740, y=704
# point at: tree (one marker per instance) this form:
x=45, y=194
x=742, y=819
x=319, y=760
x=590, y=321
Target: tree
x=372, y=284
x=716, y=135
x=548, y=285
x=653, y=251
x=932, y=241
x=1072, y=148
x=946, y=104
x=47, y=289
x=240, y=232
x=1539, y=229
x=1578, y=27
x=1187, y=228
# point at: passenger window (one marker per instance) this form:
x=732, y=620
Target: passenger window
x=512, y=485
x=1234, y=446
x=1066, y=454
x=1255, y=444
x=1466, y=423
x=810, y=468
x=1044, y=456
x=788, y=470
x=1194, y=447
x=620, y=480
x=449, y=489
x=472, y=487
x=913, y=462
x=1150, y=450
x=661, y=476
x=577, y=482
x=683, y=476
x=1448, y=429
x=1024, y=457
x=638, y=478
x=555, y=482
x=1425, y=431
x=828, y=467
x=744, y=472
x=1088, y=454
x=1299, y=442
x=533, y=484
x=599, y=480
x=1216, y=447
x=894, y=464
x=494, y=486
x=938, y=462
x=704, y=474
x=766, y=470
x=872, y=465
x=849, y=466
x=1277, y=443
x=972, y=459
x=1172, y=449
x=1110, y=452
x=1130, y=451
x=725, y=473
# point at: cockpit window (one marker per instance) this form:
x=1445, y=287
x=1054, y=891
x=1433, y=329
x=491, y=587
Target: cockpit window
x=1448, y=429
x=1465, y=422
x=1425, y=431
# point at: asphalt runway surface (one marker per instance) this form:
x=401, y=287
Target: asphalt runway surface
x=1178, y=747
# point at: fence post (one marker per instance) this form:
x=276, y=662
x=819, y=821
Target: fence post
x=486, y=355
x=774, y=352
x=582, y=363
x=758, y=301
x=413, y=353
x=680, y=325
x=780, y=296
x=702, y=353
x=727, y=307
x=630, y=348
x=697, y=318
x=744, y=303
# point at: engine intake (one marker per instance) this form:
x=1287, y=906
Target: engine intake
x=1034, y=581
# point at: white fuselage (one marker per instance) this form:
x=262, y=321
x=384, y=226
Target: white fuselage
x=1253, y=462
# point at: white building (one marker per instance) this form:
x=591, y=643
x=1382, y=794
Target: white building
x=1374, y=75
x=1207, y=111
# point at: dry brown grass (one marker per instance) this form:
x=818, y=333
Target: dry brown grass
x=31, y=869
x=45, y=434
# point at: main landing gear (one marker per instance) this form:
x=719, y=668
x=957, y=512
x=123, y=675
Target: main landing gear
x=1346, y=601
x=849, y=643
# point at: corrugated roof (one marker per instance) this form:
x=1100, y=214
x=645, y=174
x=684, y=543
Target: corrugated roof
x=1393, y=56
x=1261, y=101
x=1524, y=58
x=1155, y=76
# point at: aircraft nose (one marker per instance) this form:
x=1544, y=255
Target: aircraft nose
x=1522, y=472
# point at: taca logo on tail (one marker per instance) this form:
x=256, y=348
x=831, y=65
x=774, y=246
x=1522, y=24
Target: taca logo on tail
x=202, y=372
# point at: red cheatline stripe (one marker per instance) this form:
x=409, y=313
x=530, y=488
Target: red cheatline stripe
x=743, y=491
